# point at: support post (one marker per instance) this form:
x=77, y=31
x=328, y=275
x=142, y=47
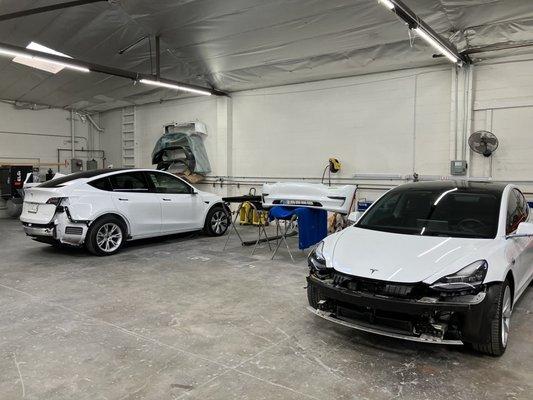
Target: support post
x=158, y=57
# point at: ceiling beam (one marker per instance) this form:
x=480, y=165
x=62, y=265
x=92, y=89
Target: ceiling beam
x=39, y=10
x=92, y=67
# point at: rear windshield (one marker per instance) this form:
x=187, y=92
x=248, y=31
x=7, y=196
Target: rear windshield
x=435, y=212
x=77, y=175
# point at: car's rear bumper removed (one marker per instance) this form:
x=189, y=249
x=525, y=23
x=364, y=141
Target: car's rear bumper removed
x=62, y=229
x=463, y=319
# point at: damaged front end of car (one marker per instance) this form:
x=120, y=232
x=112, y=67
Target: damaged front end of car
x=447, y=312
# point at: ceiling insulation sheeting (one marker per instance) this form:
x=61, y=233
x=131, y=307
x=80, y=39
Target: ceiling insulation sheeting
x=239, y=44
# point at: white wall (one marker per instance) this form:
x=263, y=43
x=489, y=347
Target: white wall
x=399, y=123
x=150, y=121
x=504, y=106
x=33, y=137
x=382, y=123
x=111, y=138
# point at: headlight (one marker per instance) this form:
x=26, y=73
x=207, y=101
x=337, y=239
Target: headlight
x=316, y=259
x=470, y=277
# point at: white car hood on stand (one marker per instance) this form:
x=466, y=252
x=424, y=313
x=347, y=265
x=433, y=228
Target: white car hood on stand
x=402, y=258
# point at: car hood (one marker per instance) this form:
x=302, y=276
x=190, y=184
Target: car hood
x=402, y=258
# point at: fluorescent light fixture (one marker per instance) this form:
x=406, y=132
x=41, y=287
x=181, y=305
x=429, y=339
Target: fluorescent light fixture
x=443, y=195
x=440, y=48
x=387, y=3
x=176, y=87
x=39, y=62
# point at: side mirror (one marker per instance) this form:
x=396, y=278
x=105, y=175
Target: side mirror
x=525, y=229
x=354, y=217
x=194, y=192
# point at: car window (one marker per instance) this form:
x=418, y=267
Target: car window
x=129, y=182
x=517, y=211
x=57, y=182
x=164, y=183
x=435, y=212
x=102, y=184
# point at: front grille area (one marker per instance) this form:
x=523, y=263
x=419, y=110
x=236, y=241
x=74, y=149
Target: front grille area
x=73, y=230
x=376, y=287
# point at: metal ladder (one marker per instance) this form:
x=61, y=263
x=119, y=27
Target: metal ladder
x=129, y=144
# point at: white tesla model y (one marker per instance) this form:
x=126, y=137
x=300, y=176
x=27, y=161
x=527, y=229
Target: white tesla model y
x=102, y=209
x=440, y=262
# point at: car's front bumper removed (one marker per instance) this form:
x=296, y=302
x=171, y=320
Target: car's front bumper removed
x=339, y=305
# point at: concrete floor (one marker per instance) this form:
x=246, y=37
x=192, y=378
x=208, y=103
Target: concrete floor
x=177, y=318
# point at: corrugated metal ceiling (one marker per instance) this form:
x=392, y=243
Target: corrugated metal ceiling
x=237, y=44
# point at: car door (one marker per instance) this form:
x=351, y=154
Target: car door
x=181, y=207
x=521, y=247
x=133, y=198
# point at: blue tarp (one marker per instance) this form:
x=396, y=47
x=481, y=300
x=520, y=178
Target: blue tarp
x=312, y=223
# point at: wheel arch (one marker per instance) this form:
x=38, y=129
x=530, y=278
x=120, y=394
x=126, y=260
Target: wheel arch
x=116, y=215
x=218, y=204
x=510, y=278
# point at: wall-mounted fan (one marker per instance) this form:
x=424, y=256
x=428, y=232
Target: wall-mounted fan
x=483, y=142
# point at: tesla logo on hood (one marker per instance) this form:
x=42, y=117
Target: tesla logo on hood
x=372, y=270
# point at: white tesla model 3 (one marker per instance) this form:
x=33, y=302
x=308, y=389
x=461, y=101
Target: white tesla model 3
x=104, y=208
x=440, y=262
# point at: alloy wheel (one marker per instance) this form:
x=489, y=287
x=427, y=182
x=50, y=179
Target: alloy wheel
x=219, y=222
x=109, y=237
x=507, y=309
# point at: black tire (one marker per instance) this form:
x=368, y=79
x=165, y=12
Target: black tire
x=217, y=221
x=498, y=337
x=312, y=296
x=96, y=240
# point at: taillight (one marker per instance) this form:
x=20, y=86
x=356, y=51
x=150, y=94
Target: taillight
x=54, y=200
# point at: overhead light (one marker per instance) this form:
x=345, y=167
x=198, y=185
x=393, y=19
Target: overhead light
x=387, y=3
x=440, y=48
x=443, y=194
x=173, y=86
x=39, y=62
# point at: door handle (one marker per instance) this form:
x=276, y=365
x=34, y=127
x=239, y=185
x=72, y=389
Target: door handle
x=123, y=199
x=167, y=199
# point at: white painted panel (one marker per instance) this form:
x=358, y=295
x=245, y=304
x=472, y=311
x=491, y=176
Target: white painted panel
x=503, y=85
x=371, y=123
x=111, y=137
x=35, y=135
x=507, y=89
x=514, y=157
x=368, y=126
x=432, y=137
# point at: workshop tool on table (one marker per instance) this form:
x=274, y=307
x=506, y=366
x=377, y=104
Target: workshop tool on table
x=253, y=214
x=250, y=202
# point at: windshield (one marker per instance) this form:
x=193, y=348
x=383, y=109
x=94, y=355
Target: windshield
x=435, y=212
